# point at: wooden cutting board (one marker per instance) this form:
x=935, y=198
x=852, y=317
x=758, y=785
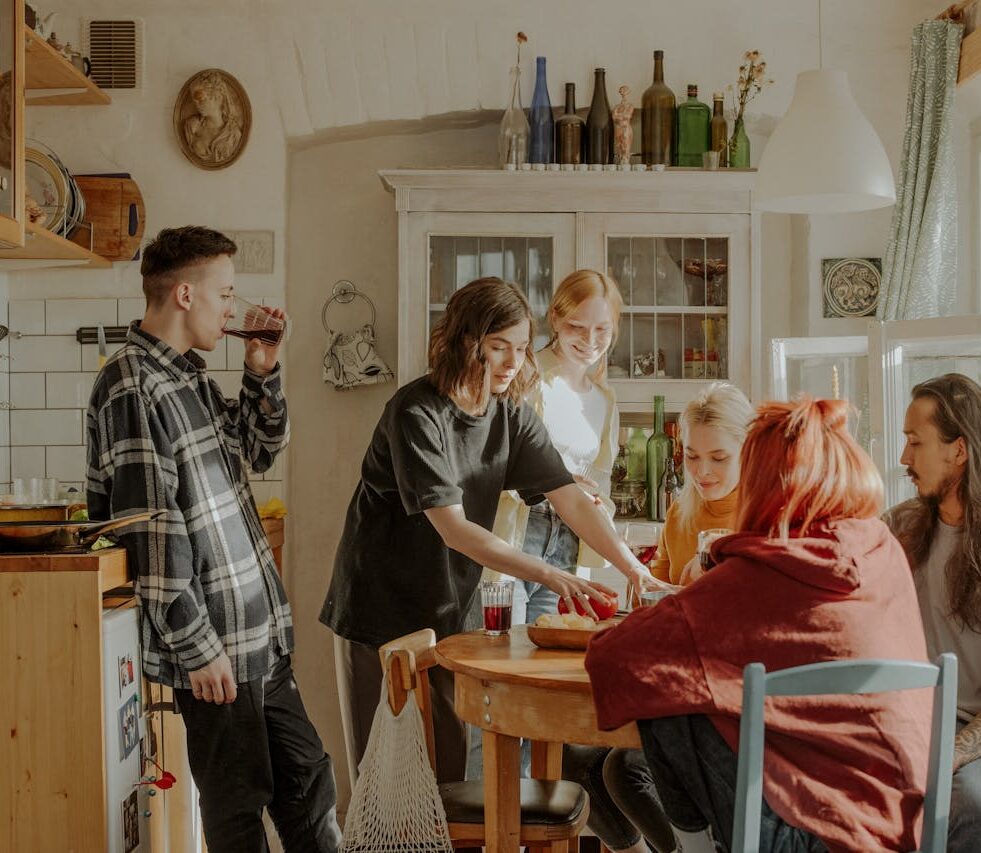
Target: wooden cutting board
x=114, y=207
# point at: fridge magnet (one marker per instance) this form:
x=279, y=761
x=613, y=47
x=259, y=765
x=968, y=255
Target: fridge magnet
x=129, y=729
x=125, y=663
x=851, y=286
x=131, y=822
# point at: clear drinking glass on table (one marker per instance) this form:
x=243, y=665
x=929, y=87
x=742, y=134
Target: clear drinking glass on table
x=496, y=598
x=704, y=548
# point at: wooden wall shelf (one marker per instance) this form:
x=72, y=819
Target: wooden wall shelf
x=49, y=70
x=42, y=248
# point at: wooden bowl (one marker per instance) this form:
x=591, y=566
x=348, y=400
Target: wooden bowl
x=564, y=638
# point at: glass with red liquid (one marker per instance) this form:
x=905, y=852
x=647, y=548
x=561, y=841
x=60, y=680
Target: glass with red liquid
x=704, y=549
x=496, y=597
x=254, y=321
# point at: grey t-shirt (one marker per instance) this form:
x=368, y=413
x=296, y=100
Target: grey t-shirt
x=943, y=633
x=392, y=572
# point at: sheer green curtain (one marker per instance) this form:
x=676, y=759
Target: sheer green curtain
x=919, y=276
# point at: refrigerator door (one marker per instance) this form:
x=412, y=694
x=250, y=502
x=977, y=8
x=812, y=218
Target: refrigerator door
x=825, y=367
x=904, y=353
x=128, y=801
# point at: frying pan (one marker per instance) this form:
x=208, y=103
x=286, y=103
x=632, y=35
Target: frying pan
x=62, y=535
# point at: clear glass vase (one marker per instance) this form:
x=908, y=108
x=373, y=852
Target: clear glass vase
x=512, y=140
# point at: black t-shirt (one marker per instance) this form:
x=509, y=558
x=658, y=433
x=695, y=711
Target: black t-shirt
x=392, y=572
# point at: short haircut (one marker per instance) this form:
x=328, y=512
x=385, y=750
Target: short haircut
x=802, y=467
x=483, y=307
x=173, y=251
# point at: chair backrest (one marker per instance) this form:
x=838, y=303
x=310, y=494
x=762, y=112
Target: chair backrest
x=836, y=678
x=405, y=661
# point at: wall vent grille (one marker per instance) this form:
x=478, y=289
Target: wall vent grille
x=115, y=49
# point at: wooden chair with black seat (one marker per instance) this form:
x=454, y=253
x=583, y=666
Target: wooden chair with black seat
x=552, y=812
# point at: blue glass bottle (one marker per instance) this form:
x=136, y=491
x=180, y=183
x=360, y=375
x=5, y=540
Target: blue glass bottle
x=542, y=124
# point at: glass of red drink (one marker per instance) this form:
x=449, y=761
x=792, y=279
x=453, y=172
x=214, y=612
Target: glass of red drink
x=255, y=321
x=496, y=597
x=705, y=540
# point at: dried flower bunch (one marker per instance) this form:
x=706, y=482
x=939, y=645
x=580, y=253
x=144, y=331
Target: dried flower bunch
x=520, y=38
x=752, y=79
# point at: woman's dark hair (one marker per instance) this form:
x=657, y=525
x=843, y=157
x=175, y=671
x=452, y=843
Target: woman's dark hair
x=483, y=307
x=172, y=251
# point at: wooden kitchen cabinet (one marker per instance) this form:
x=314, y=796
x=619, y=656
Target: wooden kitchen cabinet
x=682, y=245
x=52, y=748
x=40, y=76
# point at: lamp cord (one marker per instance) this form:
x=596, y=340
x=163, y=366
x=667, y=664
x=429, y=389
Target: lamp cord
x=820, y=36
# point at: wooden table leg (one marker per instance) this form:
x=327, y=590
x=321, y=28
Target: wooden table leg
x=502, y=803
x=546, y=760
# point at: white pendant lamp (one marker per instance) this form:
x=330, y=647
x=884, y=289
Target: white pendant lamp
x=824, y=156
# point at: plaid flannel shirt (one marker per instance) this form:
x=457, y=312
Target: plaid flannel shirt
x=162, y=436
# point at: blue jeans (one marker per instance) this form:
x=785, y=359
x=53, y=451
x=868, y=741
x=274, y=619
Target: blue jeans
x=623, y=803
x=551, y=539
x=964, y=835
x=695, y=773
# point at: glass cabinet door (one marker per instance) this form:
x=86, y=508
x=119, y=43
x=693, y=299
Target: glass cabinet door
x=685, y=282
x=826, y=367
x=910, y=352
x=535, y=251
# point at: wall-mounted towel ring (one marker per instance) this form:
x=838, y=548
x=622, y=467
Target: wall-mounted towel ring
x=351, y=359
x=345, y=292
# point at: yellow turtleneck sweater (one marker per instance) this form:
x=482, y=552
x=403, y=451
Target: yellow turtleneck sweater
x=679, y=542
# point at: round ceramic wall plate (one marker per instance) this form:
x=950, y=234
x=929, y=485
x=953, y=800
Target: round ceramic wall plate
x=851, y=287
x=45, y=183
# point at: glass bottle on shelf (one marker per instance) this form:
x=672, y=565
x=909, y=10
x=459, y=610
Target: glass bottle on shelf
x=599, y=123
x=670, y=487
x=658, y=118
x=619, y=473
x=569, y=130
x=512, y=139
x=542, y=148
x=694, y=129
x=720, y=130
x=637, y=455
x=658, y=451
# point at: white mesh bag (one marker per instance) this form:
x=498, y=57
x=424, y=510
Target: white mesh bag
x=395, y=806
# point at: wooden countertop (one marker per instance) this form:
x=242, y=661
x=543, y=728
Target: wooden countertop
x=109, y=562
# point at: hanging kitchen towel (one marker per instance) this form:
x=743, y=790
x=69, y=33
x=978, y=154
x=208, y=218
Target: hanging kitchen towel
x=352, y=360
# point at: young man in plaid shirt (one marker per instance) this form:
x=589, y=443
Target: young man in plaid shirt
x=216, y=625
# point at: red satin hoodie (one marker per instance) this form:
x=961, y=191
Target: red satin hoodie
x=849, y=769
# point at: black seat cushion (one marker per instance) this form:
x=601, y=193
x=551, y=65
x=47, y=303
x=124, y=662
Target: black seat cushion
x=542, y=802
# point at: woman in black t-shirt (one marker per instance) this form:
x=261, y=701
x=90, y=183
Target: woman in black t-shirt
x=418, y=527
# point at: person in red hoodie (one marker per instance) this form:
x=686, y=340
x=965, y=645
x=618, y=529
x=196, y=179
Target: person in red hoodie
x=811, y=574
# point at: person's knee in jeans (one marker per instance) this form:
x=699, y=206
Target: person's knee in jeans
x=965, y=810
x=628, y=779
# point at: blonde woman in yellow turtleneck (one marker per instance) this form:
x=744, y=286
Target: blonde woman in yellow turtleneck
x=713, y=427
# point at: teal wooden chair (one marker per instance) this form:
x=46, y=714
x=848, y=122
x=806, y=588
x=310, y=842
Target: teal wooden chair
x=837, y=678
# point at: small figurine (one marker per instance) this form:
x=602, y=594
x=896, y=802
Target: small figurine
x=623, y=133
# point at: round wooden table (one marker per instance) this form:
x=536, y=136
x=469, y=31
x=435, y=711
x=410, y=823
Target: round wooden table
x=512, y=689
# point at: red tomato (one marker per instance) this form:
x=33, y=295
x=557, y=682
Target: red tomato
x=604, y=609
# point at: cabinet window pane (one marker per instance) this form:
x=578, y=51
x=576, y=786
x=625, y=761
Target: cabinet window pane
x=527, y=261
x=675, y=292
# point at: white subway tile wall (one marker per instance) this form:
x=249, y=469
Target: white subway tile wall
x=46, y=377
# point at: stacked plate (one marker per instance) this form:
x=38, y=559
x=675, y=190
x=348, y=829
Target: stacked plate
x=52, y=187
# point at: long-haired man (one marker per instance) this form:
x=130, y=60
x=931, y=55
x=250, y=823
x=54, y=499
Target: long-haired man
x=940, y=530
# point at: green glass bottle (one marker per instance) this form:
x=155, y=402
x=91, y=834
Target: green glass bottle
x=720, y=130
x=637, y=455
x=659, y=448
x=694, y=129
x=739, y=149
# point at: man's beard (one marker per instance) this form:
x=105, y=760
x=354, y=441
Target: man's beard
x=937, y=496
